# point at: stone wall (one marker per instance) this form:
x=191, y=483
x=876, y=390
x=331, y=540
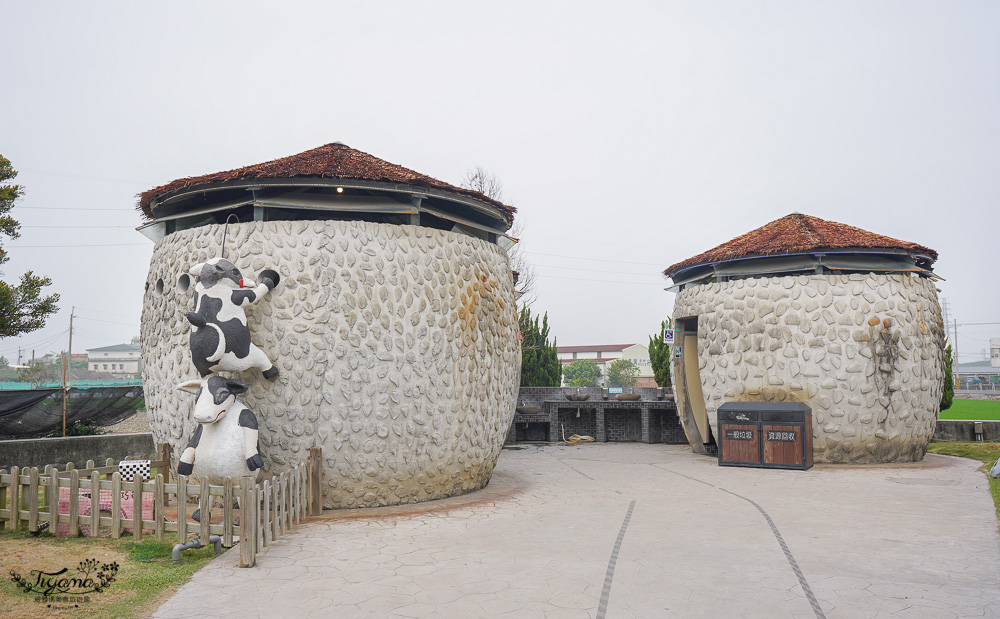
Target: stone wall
x=76, y=449
x=397, y=347
x=965, y=431
x=652, y=419
x=864, y=351
x=622, y=425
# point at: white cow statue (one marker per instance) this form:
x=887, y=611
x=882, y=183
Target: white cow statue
x=225, y=443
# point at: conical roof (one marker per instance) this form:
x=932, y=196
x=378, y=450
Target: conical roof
x=335, y=161
x=797, y=233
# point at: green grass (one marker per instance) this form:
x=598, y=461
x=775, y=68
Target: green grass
x=987, y=453
x=146, y=573
x=972, y=409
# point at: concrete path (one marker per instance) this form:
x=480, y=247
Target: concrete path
x=632, y=530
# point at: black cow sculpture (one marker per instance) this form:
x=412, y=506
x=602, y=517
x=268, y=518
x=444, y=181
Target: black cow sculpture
x=220, y=337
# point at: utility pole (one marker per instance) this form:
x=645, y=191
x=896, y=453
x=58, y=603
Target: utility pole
x=955, y=370
x=946, y=315
x=67, y=361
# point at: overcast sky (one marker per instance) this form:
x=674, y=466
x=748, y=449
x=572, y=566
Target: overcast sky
x=629, y=135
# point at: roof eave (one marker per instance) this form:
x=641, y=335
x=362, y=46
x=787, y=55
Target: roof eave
x=675, y=270
x=177, y=196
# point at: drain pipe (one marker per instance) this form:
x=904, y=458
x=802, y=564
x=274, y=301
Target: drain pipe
x=216, y=540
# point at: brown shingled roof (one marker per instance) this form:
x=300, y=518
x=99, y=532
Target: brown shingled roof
x=335, y=161
x=798, y=233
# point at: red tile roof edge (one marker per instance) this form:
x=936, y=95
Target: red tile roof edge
x=797, y=233
x=334, y=161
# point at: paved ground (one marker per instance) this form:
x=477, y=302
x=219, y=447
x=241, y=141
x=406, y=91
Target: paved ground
x=632, y=530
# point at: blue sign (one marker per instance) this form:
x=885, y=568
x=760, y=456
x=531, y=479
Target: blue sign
x=668, y=336
x=615, y=390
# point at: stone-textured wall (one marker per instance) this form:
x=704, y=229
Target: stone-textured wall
x=965, y=430
x=569, y=424
x=863, y=350
x=623, y=425
x=76, y=449
x=397, y=347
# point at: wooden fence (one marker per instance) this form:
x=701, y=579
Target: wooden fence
x=65, y=503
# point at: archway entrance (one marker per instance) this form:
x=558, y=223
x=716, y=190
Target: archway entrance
x=693, y=400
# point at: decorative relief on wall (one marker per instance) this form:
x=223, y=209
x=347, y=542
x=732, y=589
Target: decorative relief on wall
x=396, y=347
x=863, y=350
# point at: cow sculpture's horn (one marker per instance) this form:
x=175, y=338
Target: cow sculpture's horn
x=191, y=386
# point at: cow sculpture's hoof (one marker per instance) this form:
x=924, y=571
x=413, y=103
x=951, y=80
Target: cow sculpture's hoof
x=255, y=462
x=271, y=373
x=269, y=278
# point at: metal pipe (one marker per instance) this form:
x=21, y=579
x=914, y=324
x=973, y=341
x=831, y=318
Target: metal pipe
x=215, y=540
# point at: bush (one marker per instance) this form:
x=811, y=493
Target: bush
x=79, y=429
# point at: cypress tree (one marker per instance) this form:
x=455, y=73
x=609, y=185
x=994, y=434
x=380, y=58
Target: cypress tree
x=659, y=356
x=948, y=393
x=540, y=365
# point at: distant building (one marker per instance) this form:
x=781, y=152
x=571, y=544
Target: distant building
x=602, y=354
x=122, y=360
x=979, y=376
x=995, y=352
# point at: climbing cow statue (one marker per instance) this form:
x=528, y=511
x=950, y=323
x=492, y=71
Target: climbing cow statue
x=225, y=443
x=220, y=337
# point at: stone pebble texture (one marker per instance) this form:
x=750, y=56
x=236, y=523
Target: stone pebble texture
x=397, y=345
x=865, y=351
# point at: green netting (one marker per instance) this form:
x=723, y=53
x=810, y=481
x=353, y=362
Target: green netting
x=33, y=413
x=123, y=382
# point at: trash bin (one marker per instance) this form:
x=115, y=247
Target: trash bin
x=776, y=435
x=739, y=435
x=786, y=437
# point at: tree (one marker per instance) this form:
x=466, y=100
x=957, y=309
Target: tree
x=486, y=182
x=948, y=393
x=22, y=307
x=623, y=373
x=540, y=365
x=136, y=340
x=659, y=355
x=40, y=373
x=583, y=373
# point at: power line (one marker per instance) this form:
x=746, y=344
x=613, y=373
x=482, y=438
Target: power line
x=127, y=324
x=86, y=177
x=606, y=281
x=76, y=227
x=106, y=312
x=42, y=343
x=552, y=266
x=95, y=245
x=72, y=208
x=593, y=259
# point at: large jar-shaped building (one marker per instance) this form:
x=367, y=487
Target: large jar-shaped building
x=393, y=325
x=814, y=311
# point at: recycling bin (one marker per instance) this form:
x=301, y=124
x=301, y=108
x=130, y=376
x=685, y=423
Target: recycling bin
x=776, y=435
